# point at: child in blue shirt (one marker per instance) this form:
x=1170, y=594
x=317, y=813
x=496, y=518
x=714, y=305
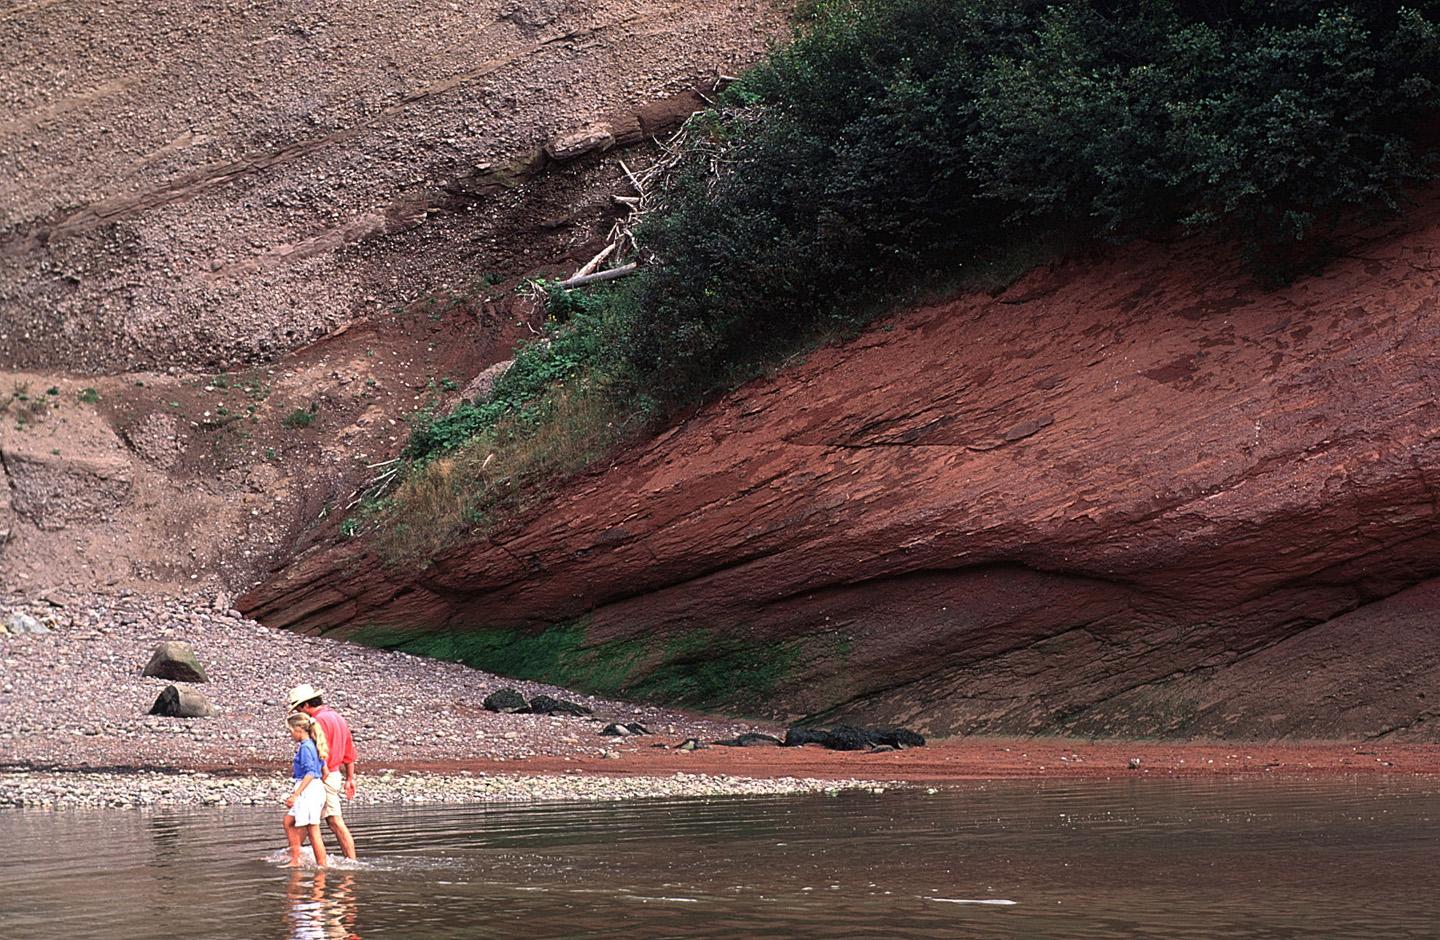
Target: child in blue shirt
x=307, y=799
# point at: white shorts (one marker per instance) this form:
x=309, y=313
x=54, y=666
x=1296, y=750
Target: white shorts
x=309, y=804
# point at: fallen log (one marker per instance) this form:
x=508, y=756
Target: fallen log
x=610, y=275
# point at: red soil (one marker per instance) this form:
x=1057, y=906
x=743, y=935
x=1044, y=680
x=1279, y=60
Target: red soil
x=993, y=759
x=975, y=759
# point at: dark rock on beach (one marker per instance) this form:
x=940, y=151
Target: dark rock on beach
x=547, y=705
x=506, y=700
x=849, y=738
x=622, y=730
x=176, y=661
x=900, y=737
x=175, y=702
x=799, y=737
x=751, y=739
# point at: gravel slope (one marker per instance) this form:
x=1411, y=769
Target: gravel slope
x=74, y=698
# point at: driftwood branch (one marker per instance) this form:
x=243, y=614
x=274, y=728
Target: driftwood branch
x=590, y=266
x=634, y=180
x=610, y=275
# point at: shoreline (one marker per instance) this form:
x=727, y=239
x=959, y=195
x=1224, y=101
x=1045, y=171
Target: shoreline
x=942, y=760
x=151, y=788
x=969, y=759
x=654, y=772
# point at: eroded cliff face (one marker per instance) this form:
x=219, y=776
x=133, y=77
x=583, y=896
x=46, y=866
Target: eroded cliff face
x=1138, y=495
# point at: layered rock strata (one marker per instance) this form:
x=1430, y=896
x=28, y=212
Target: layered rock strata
x=1133, y=495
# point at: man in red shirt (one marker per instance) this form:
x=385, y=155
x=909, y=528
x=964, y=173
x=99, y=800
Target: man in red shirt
x=339, y=762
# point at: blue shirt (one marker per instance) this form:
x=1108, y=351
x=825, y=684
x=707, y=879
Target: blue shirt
x=307, y=761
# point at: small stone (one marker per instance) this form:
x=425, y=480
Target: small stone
x=1134, y=763
x=580, y=142
x=21, y=623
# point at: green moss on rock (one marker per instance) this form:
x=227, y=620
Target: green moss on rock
x=694, y=668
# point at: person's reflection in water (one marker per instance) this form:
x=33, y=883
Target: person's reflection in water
x=322, y=906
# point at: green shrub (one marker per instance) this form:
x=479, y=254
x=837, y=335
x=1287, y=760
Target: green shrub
x=899, y=138
x=300, y=417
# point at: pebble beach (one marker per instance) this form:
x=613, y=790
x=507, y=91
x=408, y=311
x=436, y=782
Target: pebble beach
x=60, y=790
x=75, y=728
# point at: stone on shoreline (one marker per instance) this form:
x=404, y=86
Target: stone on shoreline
x=505, y=700
x=546, y=705
x=751, y=739
x=510, y=701
x=619, y=729
x=176, y=661
x=175, y=702
x=849, y=738
x=20, y=623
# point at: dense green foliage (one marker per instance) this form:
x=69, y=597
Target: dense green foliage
x=903, y=143
x=900, y=138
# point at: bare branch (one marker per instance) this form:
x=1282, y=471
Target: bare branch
x=594, y=262
x=609, y=275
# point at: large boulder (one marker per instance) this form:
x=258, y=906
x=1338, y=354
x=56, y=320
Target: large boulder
x=175, y=660
x=175, y=702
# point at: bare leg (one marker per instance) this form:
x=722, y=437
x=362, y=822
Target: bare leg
x=293, y=835
x=318, y=844
x=342, y=835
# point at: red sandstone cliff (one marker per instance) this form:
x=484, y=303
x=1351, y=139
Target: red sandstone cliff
x=1138, y=496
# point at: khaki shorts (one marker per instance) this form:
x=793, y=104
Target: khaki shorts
x=334, y=785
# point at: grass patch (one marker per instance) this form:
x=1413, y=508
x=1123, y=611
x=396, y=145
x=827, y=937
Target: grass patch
x=692, y=669
x=300, y=418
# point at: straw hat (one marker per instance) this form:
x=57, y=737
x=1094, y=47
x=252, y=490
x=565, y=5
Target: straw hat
x=302, y=694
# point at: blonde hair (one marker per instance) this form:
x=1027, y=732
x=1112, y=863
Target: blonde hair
x=312, y=729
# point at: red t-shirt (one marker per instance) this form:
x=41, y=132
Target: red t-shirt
x=337, y=738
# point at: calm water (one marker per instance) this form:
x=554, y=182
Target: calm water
x=1077, y=860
